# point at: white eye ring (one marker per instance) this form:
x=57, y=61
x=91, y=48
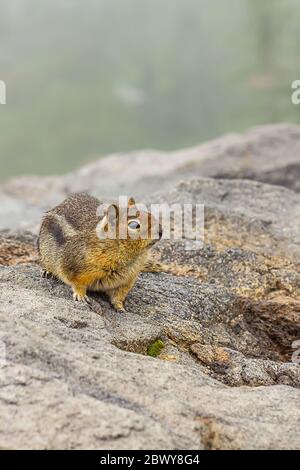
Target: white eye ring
x=134, y=225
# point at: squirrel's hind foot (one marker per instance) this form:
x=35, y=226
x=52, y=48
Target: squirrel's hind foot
x=120, y=310
x=47, y=275
x=119, y=307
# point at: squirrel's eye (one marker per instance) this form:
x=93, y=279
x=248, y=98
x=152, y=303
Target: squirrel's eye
x=134, y=225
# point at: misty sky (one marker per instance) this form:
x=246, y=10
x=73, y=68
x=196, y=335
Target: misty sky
x=89, y=77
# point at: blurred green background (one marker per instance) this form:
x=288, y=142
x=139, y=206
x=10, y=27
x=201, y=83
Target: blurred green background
x=90, y=77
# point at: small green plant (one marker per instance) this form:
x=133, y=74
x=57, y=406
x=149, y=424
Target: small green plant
x=155, y=348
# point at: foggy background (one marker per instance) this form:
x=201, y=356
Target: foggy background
x=89, y=77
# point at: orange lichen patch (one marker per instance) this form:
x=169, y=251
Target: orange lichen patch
x=14, y=252
x=269, y=280
x=216, y=435
x=279, y=321
x=223, y=234
x=282, y=298
x=168, y=357
x=210, y=355
x=245, y=273
x=187, y=271
x=183, y=334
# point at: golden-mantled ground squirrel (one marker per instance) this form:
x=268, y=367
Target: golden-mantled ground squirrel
x=71, y=250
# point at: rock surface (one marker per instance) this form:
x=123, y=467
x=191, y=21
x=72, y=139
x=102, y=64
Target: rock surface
x=228, y=315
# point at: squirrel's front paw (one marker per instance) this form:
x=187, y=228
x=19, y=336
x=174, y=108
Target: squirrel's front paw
x=79, y=292
x=119, y=307
x=80, y=296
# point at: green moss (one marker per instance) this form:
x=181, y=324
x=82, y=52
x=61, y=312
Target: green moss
x=155, y=348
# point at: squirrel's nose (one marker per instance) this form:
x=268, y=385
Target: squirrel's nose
x=160, y=232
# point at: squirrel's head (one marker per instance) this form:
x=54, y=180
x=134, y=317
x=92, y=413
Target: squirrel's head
x=130, y=223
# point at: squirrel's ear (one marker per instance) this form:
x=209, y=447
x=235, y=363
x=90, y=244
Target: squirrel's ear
x=131, y=202
x=112, y=214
